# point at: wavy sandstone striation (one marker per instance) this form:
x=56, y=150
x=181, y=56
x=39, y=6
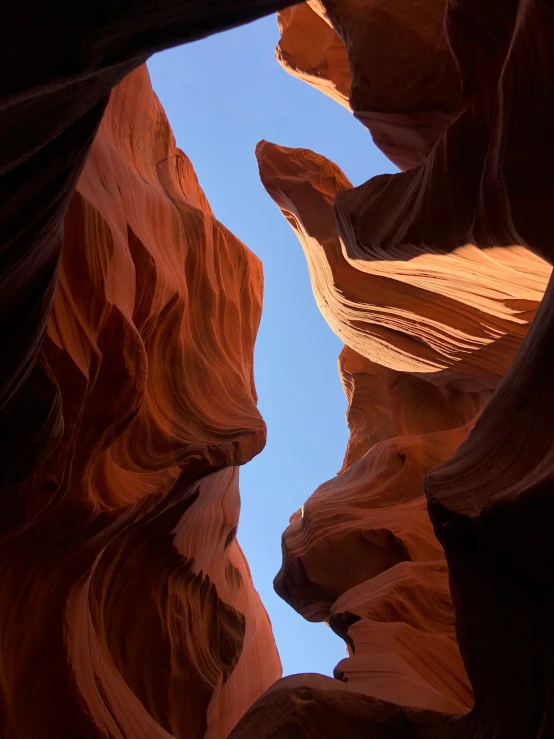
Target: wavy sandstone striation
x=132, y=611
x=310, y=49
x=388, y=62
x=397, y=619
x=389, y=597
x=451, y=317
x=56, y=85
x=429, y=277
x=129, y=609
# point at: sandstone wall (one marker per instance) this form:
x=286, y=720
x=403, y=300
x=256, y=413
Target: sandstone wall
x=131, y=607
x=428, y=553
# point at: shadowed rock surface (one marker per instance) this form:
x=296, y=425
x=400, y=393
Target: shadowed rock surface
x=434, y=279
x=388, y=61
x=132, y=611
x=127, y=400
x=458, y=316
x=59, y=65
x=126, y=392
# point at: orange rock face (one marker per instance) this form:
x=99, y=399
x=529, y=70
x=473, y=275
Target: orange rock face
x=457, y=316
x=127, y=401
x=310, y=49
x=133, y=613
x=429, y=552
x=52, y=100
x=389, y=598
x=389, y=62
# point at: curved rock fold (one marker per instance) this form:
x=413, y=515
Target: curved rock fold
x=133, y=614
x=127, y=397
x=434, y=279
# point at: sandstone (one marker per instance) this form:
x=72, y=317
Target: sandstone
x=388, y=62
x=458, y=316
x=55, y=88
x=435, y=573
x=310, y=49
x=132, y=611
x=127, y=399
x=389, y=597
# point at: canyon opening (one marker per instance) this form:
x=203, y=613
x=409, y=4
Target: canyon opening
x=398, y=149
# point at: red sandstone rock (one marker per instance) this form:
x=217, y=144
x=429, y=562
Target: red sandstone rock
x=400, y=626
x=389, y=62
x=310, y=49
x=486, y=181
x=459, y=215
x=383, y=403
x=389, y=597
x=453, y=317
x=100, y=526
x=132, y=612
x=434, y=333
x=490, y=504
x=59, y=65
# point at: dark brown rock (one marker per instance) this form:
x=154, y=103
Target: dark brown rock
x=60, y=62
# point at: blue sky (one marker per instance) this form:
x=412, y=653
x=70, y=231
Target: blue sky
x=222, y=95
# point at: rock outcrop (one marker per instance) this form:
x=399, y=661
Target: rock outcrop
x=310, y=49
x=58, y=71
x=127, y=400
x=131, y=607
x=388, y=62
x=428, y=553
x=456, y=316
x=389, y=597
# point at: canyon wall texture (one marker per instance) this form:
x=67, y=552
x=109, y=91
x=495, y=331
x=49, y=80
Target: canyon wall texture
x=132, y=613
x=429, y=552
x=127, y=401
x=57, y=79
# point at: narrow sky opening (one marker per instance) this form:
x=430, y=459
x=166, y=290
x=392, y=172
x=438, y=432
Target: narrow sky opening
x=222, y=95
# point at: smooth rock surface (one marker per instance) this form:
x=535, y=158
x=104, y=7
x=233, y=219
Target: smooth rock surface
x=389, y=597
x=132, y=611
x=125, y=410
x=457, y=316
x=387, y=61
x=59, y=65
x=436, y=574
x=310, y=49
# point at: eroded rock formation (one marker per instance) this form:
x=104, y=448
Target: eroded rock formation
x=432, y=278
x=55, y=87
x=132, y=611
x=311, y=50
x=460, y=315
x=126, y=409
x=127, y=402
x=389, y=62
x=389, y=597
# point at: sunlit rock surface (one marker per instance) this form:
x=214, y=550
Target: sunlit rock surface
x=362, y=554
x=310, y=49
x=132, y=613
x=429, y=553
x=56, y=82
x=456, y=316
x=387, y=60
x=127, y=610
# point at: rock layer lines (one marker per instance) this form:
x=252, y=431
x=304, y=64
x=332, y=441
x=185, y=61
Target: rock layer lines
x=127, y=401
x=432, y=277
x=143, y=618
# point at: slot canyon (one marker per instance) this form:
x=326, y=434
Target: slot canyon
x=129, y=316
